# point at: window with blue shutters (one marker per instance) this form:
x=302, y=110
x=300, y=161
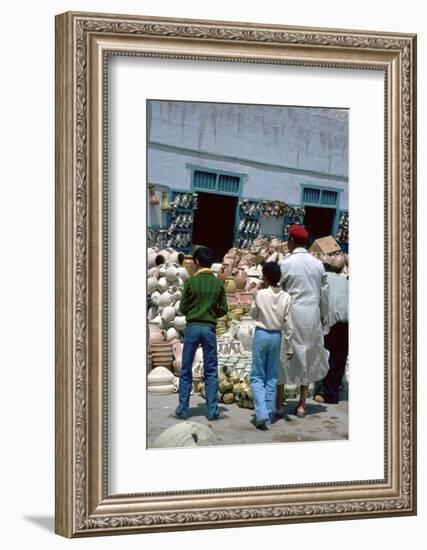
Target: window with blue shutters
x=316, y=196
x=214, y=182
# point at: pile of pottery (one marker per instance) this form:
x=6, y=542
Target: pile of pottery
x=342, y=234
x=167, y=273
x=233, y=385
x=161, y=381
x=339, y=262
x=241, y=269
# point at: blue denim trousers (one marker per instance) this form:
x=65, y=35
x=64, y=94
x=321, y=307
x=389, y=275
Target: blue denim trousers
x=264, y=372
x=195, y=335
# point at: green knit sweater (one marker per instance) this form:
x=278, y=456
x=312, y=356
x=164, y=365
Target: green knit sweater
x=203, y=299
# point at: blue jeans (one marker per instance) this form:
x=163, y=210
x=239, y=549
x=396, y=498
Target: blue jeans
x=264, y=372
x=206, y=336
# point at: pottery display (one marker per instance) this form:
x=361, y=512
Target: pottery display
x=179, y=322
x=171, y=272
x=168, y=314
x=162, y=284
x=160, y=381
x=164, y=299
x=162, y=354
x=182, y=274
x=155, y=332
x=240, y=280
x=186, y=434
x=152, y=284
x=176, y=257
x=230, y=285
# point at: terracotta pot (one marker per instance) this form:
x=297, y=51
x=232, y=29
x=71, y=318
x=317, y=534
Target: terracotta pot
x=230, y=285
x=241, y=280
x=189, y=265
x=155, y=333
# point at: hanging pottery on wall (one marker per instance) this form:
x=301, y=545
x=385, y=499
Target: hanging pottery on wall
x=165, y=201
x=153, y=197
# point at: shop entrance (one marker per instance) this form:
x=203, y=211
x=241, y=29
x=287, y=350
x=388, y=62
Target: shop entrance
x=214, y=221
x=319, y=222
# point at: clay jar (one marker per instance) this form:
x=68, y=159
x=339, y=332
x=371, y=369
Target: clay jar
x=179, y=322
x=189, y=265
x=152, y=284
x=171, y=273
x=176, y=257
x=155, y=332
x=230, y=285
x=241, y=280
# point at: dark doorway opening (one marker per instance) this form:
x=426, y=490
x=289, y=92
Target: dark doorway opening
x=319, y=222
x=213, y=224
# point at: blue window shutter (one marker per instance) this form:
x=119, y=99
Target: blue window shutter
x=329, y=198
x=311, y=196
x=204, y=180
x=228, y=184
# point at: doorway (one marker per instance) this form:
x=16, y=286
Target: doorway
x=214, y=223
x=319, y=222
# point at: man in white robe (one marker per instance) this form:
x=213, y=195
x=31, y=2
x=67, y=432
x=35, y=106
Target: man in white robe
x=304, y=278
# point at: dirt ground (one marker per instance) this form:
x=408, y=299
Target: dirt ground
x=323, y=422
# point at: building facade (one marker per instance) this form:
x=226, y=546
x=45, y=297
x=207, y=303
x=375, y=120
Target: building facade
x=231, y=153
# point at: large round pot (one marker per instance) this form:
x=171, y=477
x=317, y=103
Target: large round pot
x=182, y=274
x=164, y=299
x=240, y=280
x=176, y=257
x=168, y=314
x=155, y=332
x=152, y=284
x=171, y=272
x=230, y=285
x=186, y=434
x=179, y=322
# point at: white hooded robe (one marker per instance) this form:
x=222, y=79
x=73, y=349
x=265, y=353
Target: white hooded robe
x=304, y=278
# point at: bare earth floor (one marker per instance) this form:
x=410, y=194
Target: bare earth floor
x=323, y=422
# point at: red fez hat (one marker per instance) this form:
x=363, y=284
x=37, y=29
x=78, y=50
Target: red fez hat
x=298, y=233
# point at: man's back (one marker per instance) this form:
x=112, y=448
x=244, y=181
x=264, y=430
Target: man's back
x=303, y=276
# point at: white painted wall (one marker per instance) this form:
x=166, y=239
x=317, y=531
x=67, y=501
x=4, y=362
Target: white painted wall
x=171, y=168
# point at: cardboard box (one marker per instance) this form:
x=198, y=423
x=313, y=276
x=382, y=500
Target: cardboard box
x=325, y=245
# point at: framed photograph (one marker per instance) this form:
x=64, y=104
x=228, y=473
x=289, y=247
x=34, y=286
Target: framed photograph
x=223, y=189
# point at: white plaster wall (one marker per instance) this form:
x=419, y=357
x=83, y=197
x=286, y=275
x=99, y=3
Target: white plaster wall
x=296, y=137
x=170, y=168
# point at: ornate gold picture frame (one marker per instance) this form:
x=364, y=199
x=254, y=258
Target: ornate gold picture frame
x=84, y=42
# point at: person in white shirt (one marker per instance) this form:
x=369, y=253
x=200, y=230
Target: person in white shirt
x=304, y=278
x=271, y=311
x=336, y=339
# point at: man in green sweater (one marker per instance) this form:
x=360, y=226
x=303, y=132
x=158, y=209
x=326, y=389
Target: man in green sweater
x=203, y=301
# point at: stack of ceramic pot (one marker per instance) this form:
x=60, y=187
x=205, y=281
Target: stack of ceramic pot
x=166, y=277
x=162, y=354
x=160, y=381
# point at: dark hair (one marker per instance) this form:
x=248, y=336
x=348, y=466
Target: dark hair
x=271, y=272
x=204, y=256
